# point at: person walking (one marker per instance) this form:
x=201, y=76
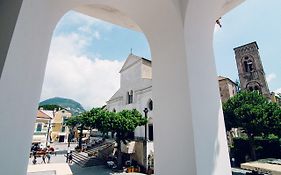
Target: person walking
x=70, y=158
x=66, y=156
x=44, y=158
x=34, y=161
x=48, y=155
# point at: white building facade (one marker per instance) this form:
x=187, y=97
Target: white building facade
x=42, y=127
x=135, y=91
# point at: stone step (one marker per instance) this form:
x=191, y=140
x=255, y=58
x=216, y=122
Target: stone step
x=84, y=160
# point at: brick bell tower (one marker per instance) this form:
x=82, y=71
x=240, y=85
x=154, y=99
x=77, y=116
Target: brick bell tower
x=250, y=69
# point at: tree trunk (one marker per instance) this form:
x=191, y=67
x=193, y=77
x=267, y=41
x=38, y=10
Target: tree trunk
x=90, y=130
x=80, y=136
x=119, y=154
x=252, y=147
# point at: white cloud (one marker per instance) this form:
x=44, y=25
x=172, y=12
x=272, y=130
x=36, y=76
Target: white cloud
x=88, y=30
x=96, y=34
x=270, y=77
x=71, y=74
x=277, y=91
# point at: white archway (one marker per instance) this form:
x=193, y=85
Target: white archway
x=180, y=37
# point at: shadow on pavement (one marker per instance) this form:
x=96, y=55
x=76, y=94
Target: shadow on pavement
x=94, y=170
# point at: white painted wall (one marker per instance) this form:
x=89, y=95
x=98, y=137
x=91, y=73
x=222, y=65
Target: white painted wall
x=136, y=76
x=146, y=70
x=131, y=77
x=180, y=36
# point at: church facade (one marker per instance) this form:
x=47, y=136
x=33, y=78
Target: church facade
x=135, y=92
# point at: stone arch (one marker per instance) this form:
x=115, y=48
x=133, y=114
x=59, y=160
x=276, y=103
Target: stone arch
x=203, y=25
x=180, y=38
x=254, y=86
x=248, y=63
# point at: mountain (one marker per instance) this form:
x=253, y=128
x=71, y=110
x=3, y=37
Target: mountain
x=69, y=104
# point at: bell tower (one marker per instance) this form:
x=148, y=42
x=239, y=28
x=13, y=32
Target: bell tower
x=250, y=69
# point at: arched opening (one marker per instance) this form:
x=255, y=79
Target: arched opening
x=72, y=61
x=130, y=96
x=248, y=64
x=254, y=86
x=150, y=105
x=244, y=54
x=169, y=40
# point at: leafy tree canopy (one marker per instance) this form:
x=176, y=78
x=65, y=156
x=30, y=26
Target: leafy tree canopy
x=72, y=121
x=119, y=123
x=255, y=114
x=252, y=112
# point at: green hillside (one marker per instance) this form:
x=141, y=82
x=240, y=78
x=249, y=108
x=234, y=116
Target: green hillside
x=69, y=104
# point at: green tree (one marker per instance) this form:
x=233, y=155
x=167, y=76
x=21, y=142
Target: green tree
x=126, y=122
x=50, y=107
x=80, y=122
x=255, y=114
x=120, y=124
x=85, y=120
x=72, y=123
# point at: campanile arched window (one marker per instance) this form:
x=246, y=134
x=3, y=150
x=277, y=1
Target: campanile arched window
x=248, y=64
x=254, y=86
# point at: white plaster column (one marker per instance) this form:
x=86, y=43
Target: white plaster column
x=211, y=149
x=173, y=130
x=21, y=81
x=162, y=23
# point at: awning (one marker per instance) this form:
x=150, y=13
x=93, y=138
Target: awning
x=38, y=138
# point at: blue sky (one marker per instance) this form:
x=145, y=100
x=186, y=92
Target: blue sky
x=114, y=42
x=254, y=20
x=86, y=54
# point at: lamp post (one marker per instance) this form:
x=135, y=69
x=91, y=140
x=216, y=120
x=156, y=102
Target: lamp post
x=145, y=128
x=48, y=132
x=68, y=145
x=145, y=140
x=69, y=137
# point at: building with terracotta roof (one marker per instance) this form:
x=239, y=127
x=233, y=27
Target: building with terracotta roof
x=42, y=126
x=227, y=88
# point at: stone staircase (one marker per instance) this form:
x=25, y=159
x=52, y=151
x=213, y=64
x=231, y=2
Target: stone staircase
x=94, y=156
